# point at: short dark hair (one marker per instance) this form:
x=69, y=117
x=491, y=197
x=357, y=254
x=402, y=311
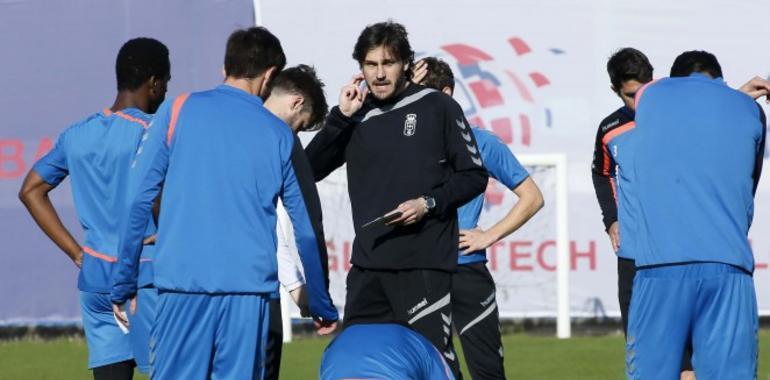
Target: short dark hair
x=628, y=64
x=439, y=74
x=138, y=60
x=250, y=52
x=389, y=34
x=302, y=80
x=696, y=61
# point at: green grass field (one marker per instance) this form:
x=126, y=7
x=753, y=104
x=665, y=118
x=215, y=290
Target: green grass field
x=526, y=357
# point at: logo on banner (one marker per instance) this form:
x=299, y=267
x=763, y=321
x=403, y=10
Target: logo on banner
x=502, y=93
x=410, y=124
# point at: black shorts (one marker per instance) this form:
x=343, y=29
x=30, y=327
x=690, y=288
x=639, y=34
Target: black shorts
x=477, y=320
x=419, y=297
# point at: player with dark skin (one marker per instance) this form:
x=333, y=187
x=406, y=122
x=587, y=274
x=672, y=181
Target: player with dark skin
x=143, y=71
x=34, y=190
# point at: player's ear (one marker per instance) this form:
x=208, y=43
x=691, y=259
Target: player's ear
x=152, y=84
x=297, y=102
x=224, y=73
x=267, y=77
x=447, y=90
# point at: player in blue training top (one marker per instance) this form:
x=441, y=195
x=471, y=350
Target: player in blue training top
x=223, y=161
x=474, y=309
x=382, y=351
x=96, y=153
x=297, y=98
x=695, y=160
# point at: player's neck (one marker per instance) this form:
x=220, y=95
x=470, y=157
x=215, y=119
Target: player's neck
x=130, y=99
x=253, y=86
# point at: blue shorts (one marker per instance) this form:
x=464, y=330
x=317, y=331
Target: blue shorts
x=711, y=305
x=140, y=325
x=106, y=342
x=203, y=336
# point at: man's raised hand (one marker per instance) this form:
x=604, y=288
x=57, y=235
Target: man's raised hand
x=352, y=96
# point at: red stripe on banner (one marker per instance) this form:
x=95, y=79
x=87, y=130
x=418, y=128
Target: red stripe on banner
x=526, y=130
x=466, y=55
x=523, y=91
x=539, y=79
x=519, y=46
x=486, y=93
x=503, y=128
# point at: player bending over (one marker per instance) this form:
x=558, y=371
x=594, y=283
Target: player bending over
x=382, y=351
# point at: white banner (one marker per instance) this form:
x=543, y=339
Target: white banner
x=534, y=73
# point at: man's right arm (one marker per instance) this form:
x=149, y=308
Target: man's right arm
x=47, y=173
x=326, y=151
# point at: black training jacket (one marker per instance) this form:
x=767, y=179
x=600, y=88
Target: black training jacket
x=417, y=143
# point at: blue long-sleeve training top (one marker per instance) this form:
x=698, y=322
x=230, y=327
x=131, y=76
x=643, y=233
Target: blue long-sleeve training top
x=695, y=164
x=223, y=161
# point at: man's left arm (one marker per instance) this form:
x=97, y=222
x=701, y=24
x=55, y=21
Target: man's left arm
x=504, y=167
x=310, y=242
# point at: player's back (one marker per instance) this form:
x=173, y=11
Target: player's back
x=96, y=153
x=694, y=162
x=382, y=351
x=227, y=159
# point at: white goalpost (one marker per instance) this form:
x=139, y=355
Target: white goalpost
x=558, y=163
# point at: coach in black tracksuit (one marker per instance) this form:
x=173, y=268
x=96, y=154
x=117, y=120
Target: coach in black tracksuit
x=407, y=148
